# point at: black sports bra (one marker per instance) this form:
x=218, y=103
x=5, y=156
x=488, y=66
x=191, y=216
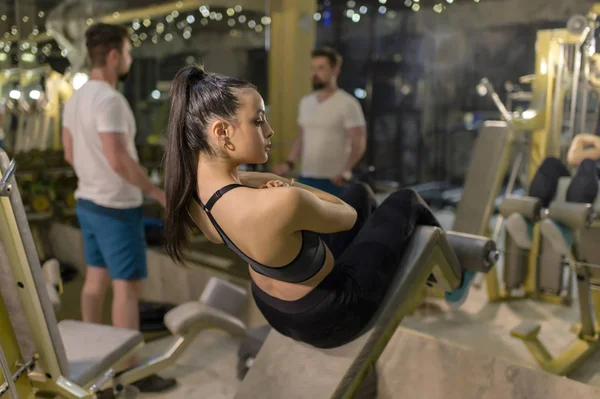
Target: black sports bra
x=307, y=263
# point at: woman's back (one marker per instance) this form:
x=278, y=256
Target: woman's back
x=259, y=224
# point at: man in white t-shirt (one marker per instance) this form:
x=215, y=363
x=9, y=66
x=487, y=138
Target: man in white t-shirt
x=332, y=135
x=99, y=142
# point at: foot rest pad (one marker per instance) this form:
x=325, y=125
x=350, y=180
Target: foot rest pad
x=574, y=215
x=526, y=331
x=529, y=207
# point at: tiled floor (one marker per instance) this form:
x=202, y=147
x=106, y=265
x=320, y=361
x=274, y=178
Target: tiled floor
x=206, y=370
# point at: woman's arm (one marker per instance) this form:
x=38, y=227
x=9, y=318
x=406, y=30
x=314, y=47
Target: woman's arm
x=584, y=146
x=257, y=179
x=300, y=209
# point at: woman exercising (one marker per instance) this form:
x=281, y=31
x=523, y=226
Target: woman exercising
x=320, y=265
x=583, y=154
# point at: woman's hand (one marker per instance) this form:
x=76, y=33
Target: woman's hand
x=256, y=179
x=274, y=183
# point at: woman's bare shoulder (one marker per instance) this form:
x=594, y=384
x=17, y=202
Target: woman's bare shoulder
x=279, y=203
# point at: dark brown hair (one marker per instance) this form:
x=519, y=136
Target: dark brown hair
x=335, y=59
x=101, y=38
x=196, y=99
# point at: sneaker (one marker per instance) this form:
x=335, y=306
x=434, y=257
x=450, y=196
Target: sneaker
x=520, y=230
x=558, y=234
x=154, y=383
x=457, y=297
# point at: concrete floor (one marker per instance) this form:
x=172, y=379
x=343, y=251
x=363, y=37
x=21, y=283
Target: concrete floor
x=208, y=369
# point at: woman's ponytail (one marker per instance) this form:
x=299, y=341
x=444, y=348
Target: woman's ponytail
x=180, y=164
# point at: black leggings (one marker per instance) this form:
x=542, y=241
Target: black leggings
x=583, y=187
x=367, y=258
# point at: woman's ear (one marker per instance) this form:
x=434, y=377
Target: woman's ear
x=219, y=130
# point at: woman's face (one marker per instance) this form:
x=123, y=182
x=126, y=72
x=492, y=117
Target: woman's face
x=251, y=133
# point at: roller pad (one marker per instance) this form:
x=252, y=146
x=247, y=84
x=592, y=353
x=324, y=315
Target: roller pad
x=475, y=253
x=575, y=216
x=529, y=207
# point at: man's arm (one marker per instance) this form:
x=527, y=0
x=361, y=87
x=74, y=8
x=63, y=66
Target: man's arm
x=296, y=150
x=355, y=125
x=293, y=156
x=358, y=141
x=67, y=141
x=124, y=165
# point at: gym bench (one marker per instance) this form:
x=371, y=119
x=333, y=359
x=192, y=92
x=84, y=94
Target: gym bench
x=582, y=220
x=285, y=368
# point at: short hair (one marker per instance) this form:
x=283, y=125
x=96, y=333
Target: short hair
x=101, y=39
x=335, y=59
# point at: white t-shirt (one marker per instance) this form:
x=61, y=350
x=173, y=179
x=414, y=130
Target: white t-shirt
x=98, y=108
x=325, y=143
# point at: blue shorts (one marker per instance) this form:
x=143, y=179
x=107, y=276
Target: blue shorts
x=114, y=239
x=323, y=185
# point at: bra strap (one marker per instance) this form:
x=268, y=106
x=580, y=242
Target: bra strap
x=215, y=197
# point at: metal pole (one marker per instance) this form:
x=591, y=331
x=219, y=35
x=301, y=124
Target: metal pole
x=589, y=46
x=7, y=376
x=575, y=93
x=497, y=101
x=557, y=107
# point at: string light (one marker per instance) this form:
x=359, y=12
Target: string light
x=160, y=29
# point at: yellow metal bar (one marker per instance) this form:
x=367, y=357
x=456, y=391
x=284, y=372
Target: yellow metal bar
x=10, y=347
x=292, y=39
x=530, y=284
x=15, y=251
x=545, y=139
x=571, y=358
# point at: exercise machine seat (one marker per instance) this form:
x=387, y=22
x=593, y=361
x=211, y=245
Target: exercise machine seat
x=92, y=349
